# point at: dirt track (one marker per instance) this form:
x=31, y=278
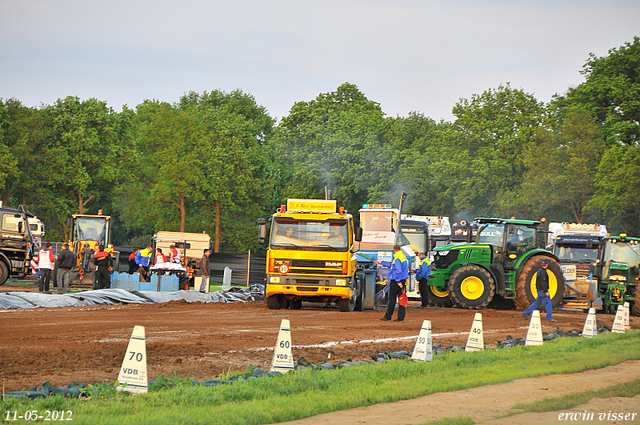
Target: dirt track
x=87, y=344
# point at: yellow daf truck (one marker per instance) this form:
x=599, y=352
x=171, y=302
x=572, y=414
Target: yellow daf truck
x=311, y=256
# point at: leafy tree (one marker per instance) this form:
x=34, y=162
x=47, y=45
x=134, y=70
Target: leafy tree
x=333, y=141
x=484, y=164
x=618, y=186
x=561, y=171
x=611, y=93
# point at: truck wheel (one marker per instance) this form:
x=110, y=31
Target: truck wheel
x=4, y=273
x=471, y=287
x=526, y=286
x=295, y=304
x=274, y=302
x=438, y=297
x=360, y=287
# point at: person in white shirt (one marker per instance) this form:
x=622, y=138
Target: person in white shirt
x=45, y=264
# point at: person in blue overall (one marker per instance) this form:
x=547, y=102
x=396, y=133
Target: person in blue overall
x=542, y=287
x=397, y=280
x=422, y=275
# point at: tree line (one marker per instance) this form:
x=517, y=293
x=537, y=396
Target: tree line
x=217, y=161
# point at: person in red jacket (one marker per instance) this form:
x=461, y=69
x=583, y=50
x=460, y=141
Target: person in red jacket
x=45, y=264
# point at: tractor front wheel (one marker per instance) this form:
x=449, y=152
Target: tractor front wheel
x=438, y=297
x=471, y=287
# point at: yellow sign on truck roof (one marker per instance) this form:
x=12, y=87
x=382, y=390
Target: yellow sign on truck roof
x=311, y=205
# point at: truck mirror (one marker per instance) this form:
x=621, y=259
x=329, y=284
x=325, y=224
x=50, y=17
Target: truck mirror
x=262, y=231
x=358, y=234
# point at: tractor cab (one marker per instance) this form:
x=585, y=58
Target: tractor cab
x=510, y=239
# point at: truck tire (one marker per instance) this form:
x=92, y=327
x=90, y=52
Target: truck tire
x=361, y=290
x=637, y=303
x=295, y=304
x=4, y=273
x=274, y=302
x=437, y=297
x=471, y=287
x=525, y=287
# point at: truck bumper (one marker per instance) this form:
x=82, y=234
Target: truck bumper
x=304, y=287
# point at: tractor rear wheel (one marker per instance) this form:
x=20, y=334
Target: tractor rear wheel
x=526, y=292
x=438, y=297
x=471, y=287
x=637, y=303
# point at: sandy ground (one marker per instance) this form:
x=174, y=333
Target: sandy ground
x=200, y=341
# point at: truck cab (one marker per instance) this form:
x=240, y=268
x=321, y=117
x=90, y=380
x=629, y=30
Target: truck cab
x=16, y=242
x=311, y=256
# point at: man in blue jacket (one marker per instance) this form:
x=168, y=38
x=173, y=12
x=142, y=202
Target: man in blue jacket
x=397, y=280
x=542, y=287
x=422, y=275
x=143, y=260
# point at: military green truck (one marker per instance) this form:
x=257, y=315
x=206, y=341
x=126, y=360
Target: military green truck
x=501, y=264
x=617, y=271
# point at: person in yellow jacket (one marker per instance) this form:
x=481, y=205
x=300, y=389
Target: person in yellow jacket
x=397, y=282
x=143, y=260
x=422, y=275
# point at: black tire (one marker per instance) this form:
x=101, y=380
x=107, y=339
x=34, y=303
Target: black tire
x=274, y=302
x=637, y=304
x=295, y=304
x=348, y=304
x=437, y=297
x=525, y=289
x=501, y=303
x=360, y=298
x=4, y=273
x=471, y=287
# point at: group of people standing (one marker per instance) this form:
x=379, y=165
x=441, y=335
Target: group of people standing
x=101, y=261
x=141, y=260
x=398, y=275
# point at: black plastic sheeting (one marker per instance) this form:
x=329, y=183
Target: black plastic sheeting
x=21, y=300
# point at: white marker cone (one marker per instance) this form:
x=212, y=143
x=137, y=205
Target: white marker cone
x=423, y=350
x=282, y=355
x=626, y=317
x=618, y=322
x=534, y=334
x=590, y=329
x=475, y=341
x=133, y=372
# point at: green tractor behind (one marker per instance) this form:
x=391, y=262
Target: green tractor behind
x=501, y=264
x=617, y=272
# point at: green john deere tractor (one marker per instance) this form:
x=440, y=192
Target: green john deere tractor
x=501, y=264
x=617, y=272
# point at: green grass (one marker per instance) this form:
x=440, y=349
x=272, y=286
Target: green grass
x=628, y=389
x=460, y=420
x=311, y=392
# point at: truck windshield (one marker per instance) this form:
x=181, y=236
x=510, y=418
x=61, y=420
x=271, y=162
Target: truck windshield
x=491, y=234
x=623, y=253
x=377, y=221
x=576, y=254
x=310, y=234
x=91, y=229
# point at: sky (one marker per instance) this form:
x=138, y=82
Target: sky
x=407, y=55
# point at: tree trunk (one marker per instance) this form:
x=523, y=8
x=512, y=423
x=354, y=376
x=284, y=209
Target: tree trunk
x=183, y=214
x=216, y=246
x=82, y=203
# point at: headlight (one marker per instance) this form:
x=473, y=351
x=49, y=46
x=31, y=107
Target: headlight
x=341, y=282
x=443, y=253
x=274, y=279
